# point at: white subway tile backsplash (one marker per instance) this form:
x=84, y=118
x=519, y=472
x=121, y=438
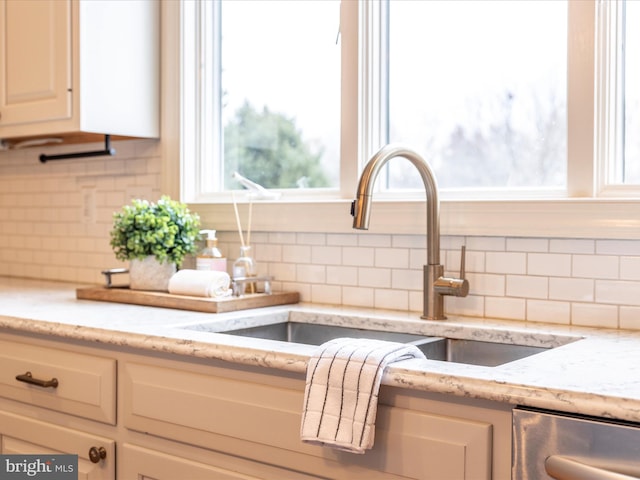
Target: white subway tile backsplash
x=503, y=307
x=391, y=299
x=341, y=275
x=284, y=272
x=417, y=257
x=617, y=247
x=630, y=318
x=571, y=245
x=373, y=240
x=45, y=233
x=486, y=244
x=311, y=238
x=594, y=315
x=330, y=294
x=282, y=238
x=630, y=268
x=404, y=279
x=374, y=277
x=410, y=241
x=358, y=256
x=474, y=261
x=358, y=296
x=486, y=284
x=297, y=254
x=617, y=292
x=548, y=311
x=267, y=252
x=506, y=262
x=596, y=266
x=549, y=264
x=470, y=305
x=391, y=257
x=342, y=240
x=313, y=274
x=323, y=255
x=571, y=289
x=527, y=245
x=415, y=301
x=525, y=286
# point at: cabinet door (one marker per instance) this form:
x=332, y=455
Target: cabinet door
x=221, y=413
x=35, y=39
x=22, y=435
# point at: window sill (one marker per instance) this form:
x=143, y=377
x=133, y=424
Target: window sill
x=565, y=218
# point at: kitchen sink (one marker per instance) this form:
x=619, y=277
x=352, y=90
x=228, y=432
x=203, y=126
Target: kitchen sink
x=473, y=352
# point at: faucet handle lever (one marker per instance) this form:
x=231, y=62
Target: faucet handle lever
x=458, y=287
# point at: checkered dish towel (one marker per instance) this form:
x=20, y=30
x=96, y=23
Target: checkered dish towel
x=341, y=393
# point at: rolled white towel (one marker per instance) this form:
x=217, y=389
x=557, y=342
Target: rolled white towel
x=200, y=283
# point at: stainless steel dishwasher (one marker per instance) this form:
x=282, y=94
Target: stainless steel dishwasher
x=559, y=446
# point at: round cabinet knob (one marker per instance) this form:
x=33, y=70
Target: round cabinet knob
x=97, y=453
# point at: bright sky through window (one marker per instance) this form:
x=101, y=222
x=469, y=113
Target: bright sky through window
x=480, y=89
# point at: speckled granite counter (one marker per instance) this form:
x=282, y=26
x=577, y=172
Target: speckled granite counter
x=598, y=375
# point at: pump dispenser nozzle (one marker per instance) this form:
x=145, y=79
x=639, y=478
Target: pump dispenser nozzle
x=210, y=234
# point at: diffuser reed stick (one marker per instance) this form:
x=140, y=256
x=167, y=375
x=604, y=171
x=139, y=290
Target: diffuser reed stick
x=249, y=226
x=235, y=208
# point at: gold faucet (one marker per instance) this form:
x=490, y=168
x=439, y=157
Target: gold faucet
x=436, y=285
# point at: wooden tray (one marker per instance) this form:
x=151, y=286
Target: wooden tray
x=183, y=302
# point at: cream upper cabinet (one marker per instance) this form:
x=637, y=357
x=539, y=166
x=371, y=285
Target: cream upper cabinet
x=37, y=65
x=79, y=69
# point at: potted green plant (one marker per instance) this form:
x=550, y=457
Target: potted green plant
x=154, y=238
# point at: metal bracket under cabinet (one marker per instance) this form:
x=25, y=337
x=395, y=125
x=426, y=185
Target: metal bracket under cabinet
x=108, y=151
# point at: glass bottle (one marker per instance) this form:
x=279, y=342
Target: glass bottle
x=245, y=266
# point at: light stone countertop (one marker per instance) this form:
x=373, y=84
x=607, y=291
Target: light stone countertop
x=597, y=375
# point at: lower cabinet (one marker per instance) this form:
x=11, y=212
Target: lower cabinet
x=181, y=418
x=23, y=435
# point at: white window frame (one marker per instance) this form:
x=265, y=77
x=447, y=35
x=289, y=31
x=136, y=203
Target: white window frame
x=590, y=208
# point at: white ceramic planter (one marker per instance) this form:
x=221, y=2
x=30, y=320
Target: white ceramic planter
x=149, y=274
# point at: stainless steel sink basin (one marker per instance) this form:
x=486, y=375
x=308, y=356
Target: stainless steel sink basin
x=316, y=334
x=472, y=352
x=475, y=352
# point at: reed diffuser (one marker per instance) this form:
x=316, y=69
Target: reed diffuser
x=245, y=265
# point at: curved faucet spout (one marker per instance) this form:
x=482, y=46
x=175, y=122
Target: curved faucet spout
x=362, y=205
x=436, y=285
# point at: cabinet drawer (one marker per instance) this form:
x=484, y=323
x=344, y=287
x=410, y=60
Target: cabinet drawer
x=86, y=384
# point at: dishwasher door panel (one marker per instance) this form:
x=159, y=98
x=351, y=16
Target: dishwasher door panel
x=555, y=446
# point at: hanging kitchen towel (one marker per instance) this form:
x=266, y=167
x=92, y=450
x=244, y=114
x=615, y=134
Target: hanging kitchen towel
x=341, y=393
x=200, y=283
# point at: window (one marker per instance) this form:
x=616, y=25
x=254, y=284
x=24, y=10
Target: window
x=480, y=91
x=280, y=92
x=521, y=139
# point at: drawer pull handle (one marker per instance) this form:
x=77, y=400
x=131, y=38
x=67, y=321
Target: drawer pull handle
x=28, y=378
x=97, y=453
